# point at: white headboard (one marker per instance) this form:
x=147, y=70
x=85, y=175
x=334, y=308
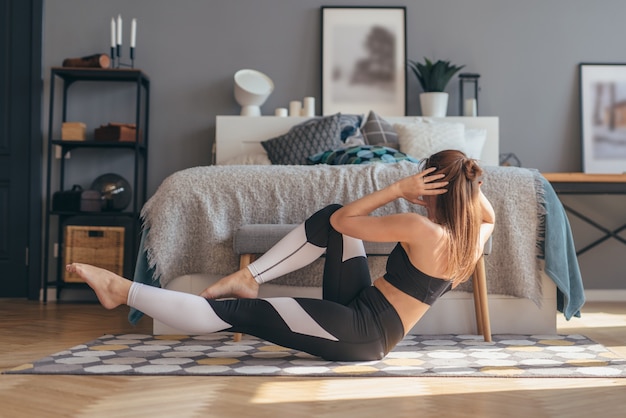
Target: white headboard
x=238, y=135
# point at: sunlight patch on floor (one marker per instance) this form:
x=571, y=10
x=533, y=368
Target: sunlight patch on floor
x=335, y=389
x=354, y=388
x=592, y=320
x=156, y=397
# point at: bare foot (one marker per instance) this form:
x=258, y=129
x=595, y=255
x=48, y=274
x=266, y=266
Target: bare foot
x=240, y=284
x=111, y=289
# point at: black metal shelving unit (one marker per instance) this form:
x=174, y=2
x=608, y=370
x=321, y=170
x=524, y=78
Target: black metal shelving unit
x=128, y=218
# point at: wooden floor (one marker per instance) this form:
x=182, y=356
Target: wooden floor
x=30, y=330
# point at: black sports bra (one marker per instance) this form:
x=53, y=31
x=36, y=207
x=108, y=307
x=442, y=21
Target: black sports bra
x=407, y=278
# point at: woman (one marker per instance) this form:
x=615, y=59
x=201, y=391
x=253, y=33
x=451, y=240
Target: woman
x=355, y=320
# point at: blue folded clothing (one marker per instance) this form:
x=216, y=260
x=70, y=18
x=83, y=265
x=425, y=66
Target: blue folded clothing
x=559, y=252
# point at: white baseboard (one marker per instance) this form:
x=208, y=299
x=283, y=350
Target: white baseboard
x=605, y=295
x=52, y=294
x=70, y=295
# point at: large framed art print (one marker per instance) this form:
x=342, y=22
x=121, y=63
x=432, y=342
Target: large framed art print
x=603, y=117
x=363, y=60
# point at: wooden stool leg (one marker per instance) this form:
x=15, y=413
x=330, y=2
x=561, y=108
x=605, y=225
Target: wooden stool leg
x=481, y=302
x=244, y=260
x=477, y=307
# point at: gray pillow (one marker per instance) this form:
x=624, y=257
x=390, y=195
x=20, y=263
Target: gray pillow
x=377, y=131
x=305, y=139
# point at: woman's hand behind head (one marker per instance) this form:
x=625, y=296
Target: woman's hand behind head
x=414, y=187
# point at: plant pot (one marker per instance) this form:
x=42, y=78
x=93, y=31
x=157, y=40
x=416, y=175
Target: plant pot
x=434, y=104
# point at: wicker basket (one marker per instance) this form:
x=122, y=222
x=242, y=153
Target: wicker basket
x=101, y=246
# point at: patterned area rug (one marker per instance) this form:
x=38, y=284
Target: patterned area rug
x=442, y=355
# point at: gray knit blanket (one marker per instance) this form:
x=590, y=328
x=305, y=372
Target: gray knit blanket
x=191, y=219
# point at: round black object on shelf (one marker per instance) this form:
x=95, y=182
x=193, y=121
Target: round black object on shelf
x=115, y=191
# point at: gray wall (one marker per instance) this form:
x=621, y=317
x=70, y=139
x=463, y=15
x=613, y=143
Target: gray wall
x=527, y=53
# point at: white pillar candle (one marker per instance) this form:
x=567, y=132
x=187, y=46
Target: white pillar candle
x=469, y=108
x=119, y=29
x=280, y=111
x=309, y=107
x=112, y=32
x=295, y=107
x=133, y=32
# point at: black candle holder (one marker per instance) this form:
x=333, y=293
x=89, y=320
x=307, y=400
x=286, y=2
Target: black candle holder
x=116, y=57
x=471, y=79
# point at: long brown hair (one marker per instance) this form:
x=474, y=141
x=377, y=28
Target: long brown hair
x=458, y=210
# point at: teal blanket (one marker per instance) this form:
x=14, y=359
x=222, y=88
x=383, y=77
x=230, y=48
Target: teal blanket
x=143, y=274
x=559, y=253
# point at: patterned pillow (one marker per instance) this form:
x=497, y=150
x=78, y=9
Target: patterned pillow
x=351, y=128
x=303, y=140
x=424, y=138
x=377, y=131
x=364, y=154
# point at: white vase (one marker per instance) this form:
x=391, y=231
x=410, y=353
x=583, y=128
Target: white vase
x=434, y=104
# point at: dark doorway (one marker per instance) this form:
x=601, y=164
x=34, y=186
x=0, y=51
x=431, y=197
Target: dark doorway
x=20, y=148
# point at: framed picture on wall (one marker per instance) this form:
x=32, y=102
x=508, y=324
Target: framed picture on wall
x=603, y=117
x=363, y=60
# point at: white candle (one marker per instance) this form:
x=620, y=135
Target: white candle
x=133, y=32
x=295, y=107
x=119, y=29
x=309, y=107
x=470, y=107
x=112, y=32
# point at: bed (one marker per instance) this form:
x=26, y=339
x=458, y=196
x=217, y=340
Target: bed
x=190, y=221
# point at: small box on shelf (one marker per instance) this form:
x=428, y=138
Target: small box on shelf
x=73, y=131
x=117, y=132
x=77, y=200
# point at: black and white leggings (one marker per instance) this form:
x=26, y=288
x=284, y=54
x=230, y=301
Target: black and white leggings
x=353, y=321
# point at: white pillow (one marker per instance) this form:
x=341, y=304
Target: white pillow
x=259, y=158
x=474, y=142
x=425, y=137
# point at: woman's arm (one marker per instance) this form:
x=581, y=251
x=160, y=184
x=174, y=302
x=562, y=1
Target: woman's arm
x=354, y=218
x=488, y=218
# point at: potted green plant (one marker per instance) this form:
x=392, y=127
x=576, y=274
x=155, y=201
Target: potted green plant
x=434, y=77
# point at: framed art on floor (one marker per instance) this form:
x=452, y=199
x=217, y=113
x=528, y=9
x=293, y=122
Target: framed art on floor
x=603, y=117
x=363, y=60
